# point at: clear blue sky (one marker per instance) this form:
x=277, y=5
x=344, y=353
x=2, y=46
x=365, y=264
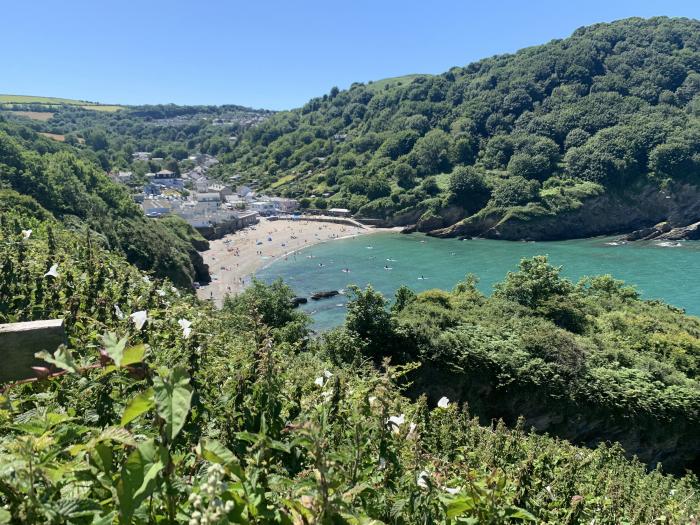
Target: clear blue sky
x=270, y=54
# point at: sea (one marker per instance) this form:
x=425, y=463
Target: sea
x=669, y=271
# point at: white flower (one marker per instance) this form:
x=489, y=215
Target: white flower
x=396, y=422
x=52, y=271
x=26, y=233
x=146, y=279
x=422, y=479
x=451, y=490
x=139, y=318
x=185, y=325
x=327, y=374
x=161, y=293
x=118, y=311
x=371, y=400
x=444, y=402
x=319, y=381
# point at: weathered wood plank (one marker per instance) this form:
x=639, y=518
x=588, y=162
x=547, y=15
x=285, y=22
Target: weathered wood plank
x=20, y=341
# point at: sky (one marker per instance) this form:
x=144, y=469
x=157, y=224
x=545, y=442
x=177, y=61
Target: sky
x=270, y=54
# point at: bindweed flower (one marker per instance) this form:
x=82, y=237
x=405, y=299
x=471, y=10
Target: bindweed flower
x=396, y=422
x=146, y=279
x=161, y=293
x=319, y=381
x=185, y=325
x=371, y=400
x=53, y=271
x=139, y=318
x=451, y=490
x=118, y=311
x=444, y=402
x=327, y=374
x=26, y=233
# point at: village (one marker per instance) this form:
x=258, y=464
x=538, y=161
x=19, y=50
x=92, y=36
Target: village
x=211, y=207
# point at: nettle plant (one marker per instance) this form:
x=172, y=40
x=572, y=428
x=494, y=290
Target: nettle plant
x=53, y=469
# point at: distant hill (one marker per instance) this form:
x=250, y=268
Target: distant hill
x=521, y=146
x=13, y=101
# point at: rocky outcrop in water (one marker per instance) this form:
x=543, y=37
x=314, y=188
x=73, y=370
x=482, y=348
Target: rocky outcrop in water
x=607, y=214
x=665, y=232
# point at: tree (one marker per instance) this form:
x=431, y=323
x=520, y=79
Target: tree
x=536, y=282
x=468, y=189
x=515, y=191
x=369, y=319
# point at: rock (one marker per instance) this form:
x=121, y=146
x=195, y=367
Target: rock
x=298, y=300
x=324, y=295
x=409, y=229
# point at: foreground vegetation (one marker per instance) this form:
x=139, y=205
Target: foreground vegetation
x=162, y=410
x=512, y=137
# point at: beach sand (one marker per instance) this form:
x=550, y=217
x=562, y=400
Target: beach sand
x=234, y=259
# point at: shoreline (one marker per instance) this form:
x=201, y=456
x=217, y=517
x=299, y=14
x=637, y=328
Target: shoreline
x=234, y=259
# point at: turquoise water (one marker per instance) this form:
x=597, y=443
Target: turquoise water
x=667, y=272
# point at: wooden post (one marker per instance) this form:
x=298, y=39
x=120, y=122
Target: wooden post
x=20, y=341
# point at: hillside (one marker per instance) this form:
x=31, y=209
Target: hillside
x=44, y=178
x=511, y=146
x=15, y=101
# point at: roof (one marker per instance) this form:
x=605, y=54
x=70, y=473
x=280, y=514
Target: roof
x=339, y=210
x=167, y=173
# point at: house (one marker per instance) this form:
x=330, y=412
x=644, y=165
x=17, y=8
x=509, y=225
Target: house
x=122, y=177
x=243, y=190
x=223, y=190
x=263, y=207
x=141, y=155
x=283, y=205
x=202, y=185
x=169, y=179
x=339, y=212
x=208, y=201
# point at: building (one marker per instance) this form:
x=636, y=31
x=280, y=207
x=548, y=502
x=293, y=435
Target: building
x=263, y=207
x=339, y=212
x=169, y=179
x=157, y=207
x=223, y=190
x=122, y=177
x=141, y=155
x=283, y=205
x=208, y=201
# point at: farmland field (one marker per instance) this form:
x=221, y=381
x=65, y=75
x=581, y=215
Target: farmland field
x=10, y=100
x=34, y=115
x=54, y=136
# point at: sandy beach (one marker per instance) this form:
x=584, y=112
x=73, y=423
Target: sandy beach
x=234, y=259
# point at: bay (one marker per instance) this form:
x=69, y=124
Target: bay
x=666, y=271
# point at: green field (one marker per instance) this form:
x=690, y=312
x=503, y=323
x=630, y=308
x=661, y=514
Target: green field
x=54, y=101
x=394, y=81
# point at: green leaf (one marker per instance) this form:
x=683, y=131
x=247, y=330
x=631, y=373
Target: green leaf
x=138, y=405
x=212, y=450
x=173, y=396
x=459, y=506
x=61, y=358
x=5, y=516
x=138, y=477
x=520, y=514
x=133, y=355
x=114, y=347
